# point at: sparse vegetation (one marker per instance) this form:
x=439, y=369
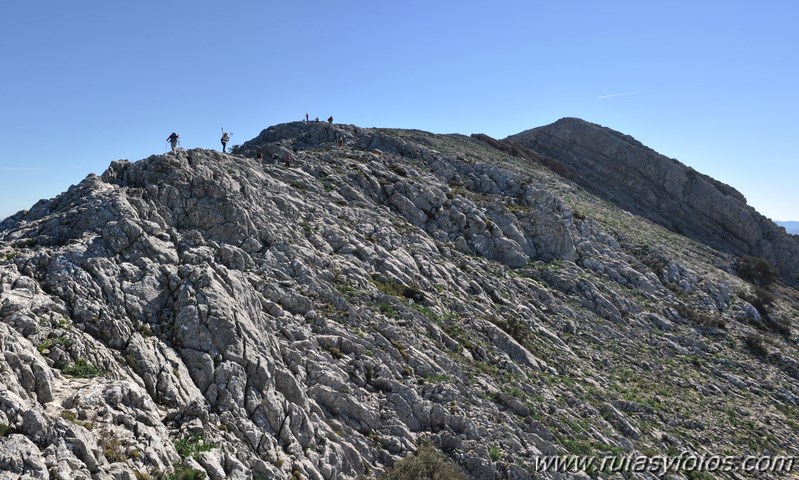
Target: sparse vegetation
x=438, y=378
x=183, y=473
x=335, y=352
x=757, y=270
x=761, y=299
x=81, y=369
x=347, y=291
x=69, y=415
x=400, y=348
x=427, y=463
x=112, y=448
x=612, y=351
x=141, y=475
x=755, y=344
x=50, y=342
x=494, y=453
x=190, y=446
x=702, y=318
x=780, y=324
x=387, y=309
x=397, y=289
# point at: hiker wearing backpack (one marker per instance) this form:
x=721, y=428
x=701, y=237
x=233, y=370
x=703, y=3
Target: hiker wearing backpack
x=225, y=138
x=173, y=140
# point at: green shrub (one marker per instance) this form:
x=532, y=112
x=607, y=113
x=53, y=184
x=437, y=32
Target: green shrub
x=112, y=448
x=494, y=453
x=388, y=310
x=577, y=446
x=701, y=318
x=192, y=446
x=5, y=430
x=426, y=464
x=49, y=343
x=183, y=473
x=437, y=378
x=335, y=352
x=762, y=300
x=757, y=270
x=81, y=369
x=397, y=289
x=69, y=415
x=514, y=327
x=779, y=324
x=755, y=344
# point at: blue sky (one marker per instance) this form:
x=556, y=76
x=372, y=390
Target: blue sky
x=710, y=83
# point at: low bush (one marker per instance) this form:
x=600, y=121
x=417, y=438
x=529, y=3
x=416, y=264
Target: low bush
x=701, y=318
x=761, y=300
x=755, y=345
x=183, y=473
x=81, y=369
x=192, y=446
x=757, y=270
x=428, y=463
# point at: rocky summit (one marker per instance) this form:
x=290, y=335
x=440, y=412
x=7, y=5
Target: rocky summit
x=562, y=291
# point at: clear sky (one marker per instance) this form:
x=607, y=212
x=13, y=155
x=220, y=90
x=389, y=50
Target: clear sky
x=710, y=83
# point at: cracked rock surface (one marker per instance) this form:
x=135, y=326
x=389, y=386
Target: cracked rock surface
x=212, y=312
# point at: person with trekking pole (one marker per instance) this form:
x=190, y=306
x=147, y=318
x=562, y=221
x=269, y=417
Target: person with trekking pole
x=225, y=138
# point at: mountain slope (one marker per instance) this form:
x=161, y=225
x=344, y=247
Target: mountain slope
x=208, y=311
x=625, y=172
x=790, y=227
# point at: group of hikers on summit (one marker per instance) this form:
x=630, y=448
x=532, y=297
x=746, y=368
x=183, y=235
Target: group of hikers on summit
x=174, y=141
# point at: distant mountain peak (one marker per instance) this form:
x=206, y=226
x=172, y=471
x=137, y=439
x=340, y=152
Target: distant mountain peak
x=790, y=226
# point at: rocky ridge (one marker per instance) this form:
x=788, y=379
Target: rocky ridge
x=622, y=170
x=208, y=312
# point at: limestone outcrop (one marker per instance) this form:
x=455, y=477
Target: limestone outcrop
x=215, y=313
x=622, y=170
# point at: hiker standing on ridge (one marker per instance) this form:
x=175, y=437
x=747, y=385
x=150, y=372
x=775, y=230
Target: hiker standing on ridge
x=306, y=116
x=225, y=138
x=173, y=141
x=330, y=119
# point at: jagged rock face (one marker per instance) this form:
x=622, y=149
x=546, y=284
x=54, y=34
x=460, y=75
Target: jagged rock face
x=208, y=311
x=638, y=179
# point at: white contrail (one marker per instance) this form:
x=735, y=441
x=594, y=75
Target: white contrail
x=618, y=94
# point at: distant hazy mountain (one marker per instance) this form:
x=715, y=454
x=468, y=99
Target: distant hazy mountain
x=790, y=227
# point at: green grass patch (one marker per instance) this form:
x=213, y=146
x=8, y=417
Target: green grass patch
x=82, y=369
x=190, y=446
x=438, y=378
x=49, y=343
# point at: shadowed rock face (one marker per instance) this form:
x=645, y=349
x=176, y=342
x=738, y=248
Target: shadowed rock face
x=622, y=170
x=208, y=311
